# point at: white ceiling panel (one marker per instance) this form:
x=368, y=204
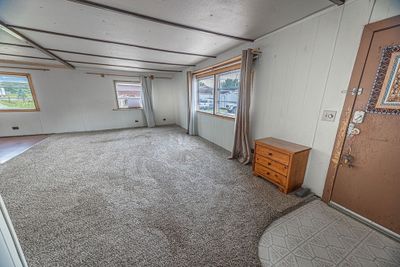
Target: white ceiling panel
x=249, y=19
x=66, y=17
x=26, y=54
x=7, y=38
x=31, y=60
x=21, y=51
x=72, y=44
x=72, y=57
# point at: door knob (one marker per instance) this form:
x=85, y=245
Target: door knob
x=348, y=160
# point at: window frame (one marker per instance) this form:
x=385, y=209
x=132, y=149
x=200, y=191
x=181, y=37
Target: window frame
x=214, y=74
x=198, y=96
x=33, y=93
x=116, y=94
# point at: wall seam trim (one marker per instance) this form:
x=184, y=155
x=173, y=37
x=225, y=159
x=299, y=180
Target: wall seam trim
x=329, y=73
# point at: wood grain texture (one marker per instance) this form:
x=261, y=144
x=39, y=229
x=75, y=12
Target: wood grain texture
x=355, y=80
x=280, y=162
x=11, y=147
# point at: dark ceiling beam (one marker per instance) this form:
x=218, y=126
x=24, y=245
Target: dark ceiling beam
x=18, y=45
x=18, y=62
x=108, y=41
x=23, y=68
x=338, y=2
x=22, y=37
x=121, y=66
x=15, y=55
x=121, y=58
x=157, y=20
x=102, y=56
x=90, y=63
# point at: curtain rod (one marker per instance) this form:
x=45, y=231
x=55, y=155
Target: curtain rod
x=234, y=60
x=122, y=75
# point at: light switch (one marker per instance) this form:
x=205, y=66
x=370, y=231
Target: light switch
x=329, y=115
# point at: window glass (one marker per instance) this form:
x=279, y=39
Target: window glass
x=16, y=92
x=227, y=92
x=205, y=88
x=129, y=94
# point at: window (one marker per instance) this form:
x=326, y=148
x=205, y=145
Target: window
x=205, y=87
x=218, y=92
x=17, y=93
x=227, y=93
x=129, y=94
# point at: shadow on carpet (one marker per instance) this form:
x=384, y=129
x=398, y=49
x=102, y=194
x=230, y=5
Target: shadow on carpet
x=137, y=197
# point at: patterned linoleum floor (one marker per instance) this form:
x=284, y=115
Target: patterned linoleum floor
x=318, y=235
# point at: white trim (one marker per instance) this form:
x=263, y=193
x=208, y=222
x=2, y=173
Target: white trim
x=366, y=221
x=16, y=259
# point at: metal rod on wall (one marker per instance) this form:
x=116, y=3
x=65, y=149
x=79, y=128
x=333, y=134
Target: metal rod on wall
x=121, y=66
x=122, y=75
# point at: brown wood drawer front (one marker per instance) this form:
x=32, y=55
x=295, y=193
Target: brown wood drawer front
x=273, y=165
x=270, y=174
x=272, y=154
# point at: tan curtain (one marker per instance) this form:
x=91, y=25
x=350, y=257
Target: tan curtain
x=241, y=143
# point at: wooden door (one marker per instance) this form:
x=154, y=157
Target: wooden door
x=368, y=171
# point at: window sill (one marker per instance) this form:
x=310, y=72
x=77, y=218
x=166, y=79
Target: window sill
x=216, y=115
x=19, y=110
x=126, y=109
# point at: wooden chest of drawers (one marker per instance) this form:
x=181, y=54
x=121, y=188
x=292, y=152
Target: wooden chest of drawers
x=280, y=162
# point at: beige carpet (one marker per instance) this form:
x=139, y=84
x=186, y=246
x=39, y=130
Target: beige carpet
x=139, y=197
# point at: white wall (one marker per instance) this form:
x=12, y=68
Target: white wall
x=71, y=100
x=302, y=71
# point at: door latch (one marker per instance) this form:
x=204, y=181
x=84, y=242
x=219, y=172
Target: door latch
x=354, y=91
x=348, y=160
x=358, y=116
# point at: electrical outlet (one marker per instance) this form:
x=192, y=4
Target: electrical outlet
x=15, y=127
x=329, y=115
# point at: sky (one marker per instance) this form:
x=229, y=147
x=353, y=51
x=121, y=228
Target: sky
x=16, y=79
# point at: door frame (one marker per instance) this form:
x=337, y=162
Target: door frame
x=355, y=80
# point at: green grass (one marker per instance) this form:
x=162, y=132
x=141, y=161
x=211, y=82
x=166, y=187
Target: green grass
x=17, y=104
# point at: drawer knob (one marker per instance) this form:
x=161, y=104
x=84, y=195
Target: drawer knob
x=268, y=173
x=269, y=163
x=269, y=154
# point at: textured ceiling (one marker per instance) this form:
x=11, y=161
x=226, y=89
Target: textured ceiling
x=247, y=19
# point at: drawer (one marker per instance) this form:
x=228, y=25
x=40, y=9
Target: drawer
x=272, y=154
x=273, y=165
x=270, y=174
